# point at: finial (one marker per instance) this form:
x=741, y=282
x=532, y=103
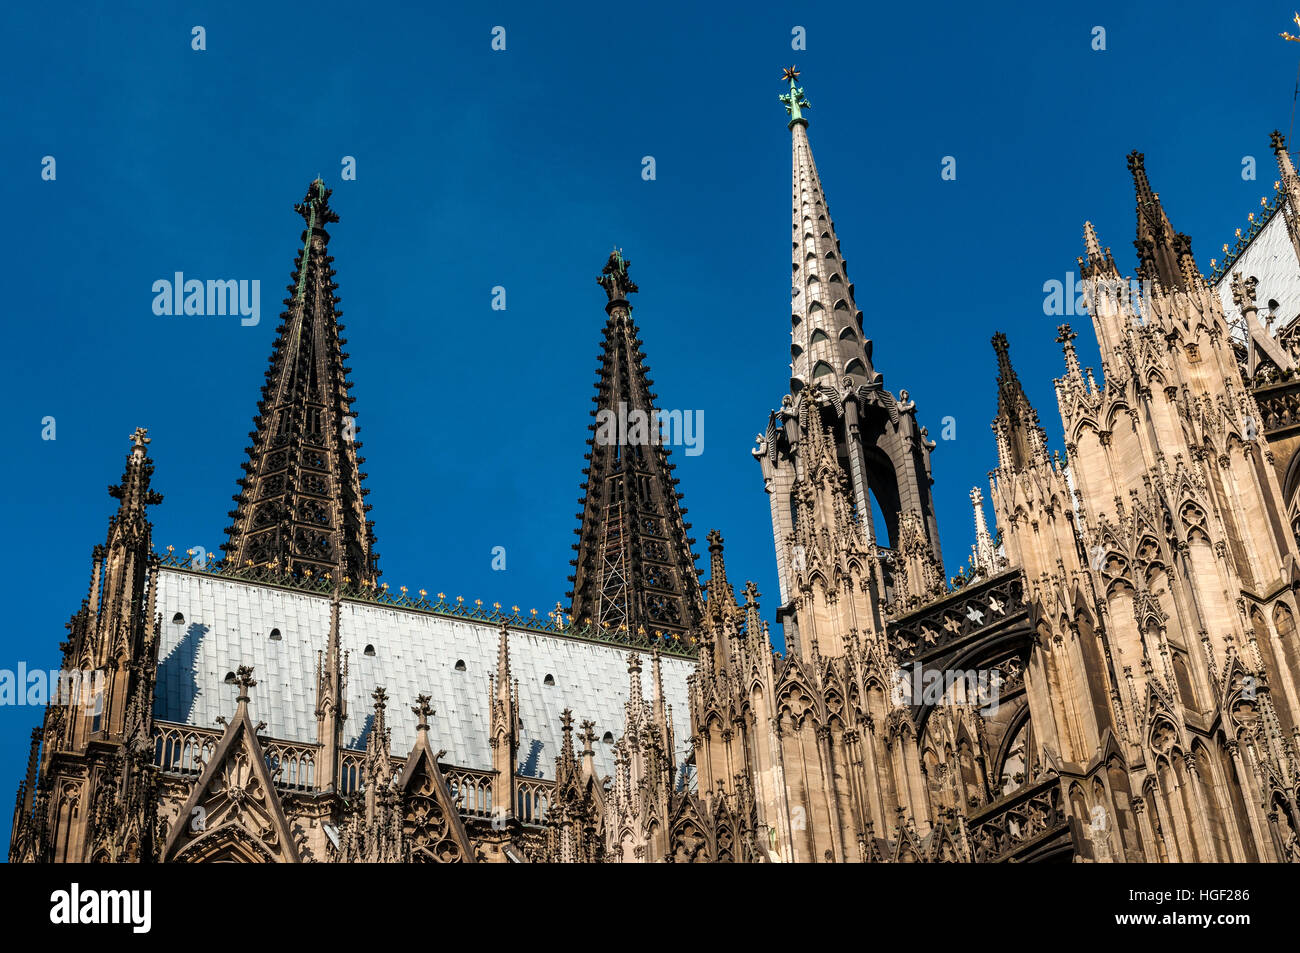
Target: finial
x=423, y=709
x=314, y=208
x=1288, y=36
x=244, y=679
x=794, y=100
x=1066, y=339
x=613, y=277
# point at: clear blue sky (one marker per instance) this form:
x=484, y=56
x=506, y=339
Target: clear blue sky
x=522, y=169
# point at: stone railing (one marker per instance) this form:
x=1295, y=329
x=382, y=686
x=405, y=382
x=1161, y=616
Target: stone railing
x=185, y=750
x=534, y=799
x=293, y=766
x=960, y=616
x=1012, y=827
x=472, y=790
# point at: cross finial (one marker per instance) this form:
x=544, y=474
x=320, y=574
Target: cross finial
x=1065, y=335
x=380, y=696
x=794, y=100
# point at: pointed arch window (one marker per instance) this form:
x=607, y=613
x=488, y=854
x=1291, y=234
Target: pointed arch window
x=847, y=335
x=178, y=619
x=822, y=369
x=97, y=714
x=841, y=305
x=856, y=367
x=818, y=336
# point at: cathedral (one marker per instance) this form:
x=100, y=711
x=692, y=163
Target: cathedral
x=1114, y=676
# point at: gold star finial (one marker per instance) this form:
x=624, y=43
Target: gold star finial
x=1288, y=36
x=790, y=74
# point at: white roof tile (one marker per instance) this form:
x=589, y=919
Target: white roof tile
x=228, y=624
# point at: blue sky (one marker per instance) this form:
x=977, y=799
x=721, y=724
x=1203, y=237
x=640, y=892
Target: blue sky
x=522, y=169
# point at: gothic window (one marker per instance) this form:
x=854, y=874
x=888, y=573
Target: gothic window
x=822, y=369
x=460, y=665
x=818, y=336
x=275, y=635
x=549, y=680
x=178, y=619
x=841, y=305
x=369, y=651
x=1184, y=680
x=856, y=367
x=848, y=335
x=608, y=738
x=97, y=714
x=230, y=678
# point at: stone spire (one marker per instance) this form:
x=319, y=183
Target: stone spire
x=116, y=628
x=635, y=568
x=721, y=603
x=1286, y=168
x=504, y=728
x=1095, y=263
x=331, y=700
x=874, y=437
x=301, y=501
x=984, y=559
x=826, y=326
x=1163, y=254
x=1021, y=440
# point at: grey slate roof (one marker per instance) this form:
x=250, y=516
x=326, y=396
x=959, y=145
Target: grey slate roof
x=227, y=623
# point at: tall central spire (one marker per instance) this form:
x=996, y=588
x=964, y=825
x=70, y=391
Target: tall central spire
x=876, y=439
x=826, y=326
x=635, y=569
x=301, y=503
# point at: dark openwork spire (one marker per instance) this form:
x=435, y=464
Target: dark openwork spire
x=635, y=569
x=1022, y=442
x=301, y=505
x=1163, y=254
